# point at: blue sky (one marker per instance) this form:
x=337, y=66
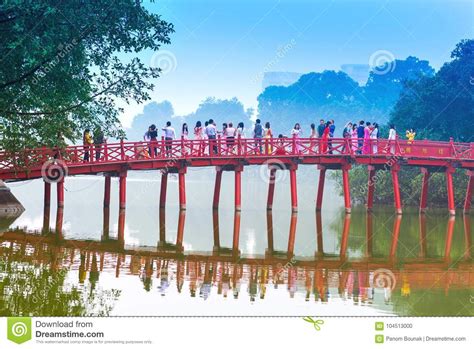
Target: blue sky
x=221, y=48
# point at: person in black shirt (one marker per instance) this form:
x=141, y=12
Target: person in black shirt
x=321, y=127
x=360, y=136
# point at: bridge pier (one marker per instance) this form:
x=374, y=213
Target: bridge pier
x=271, y=188
x=238, y=188
x=319, y=197
x=345, y=236
x=163, y=188
x=270, y=231
x=347, y=189
x=122, y=205
x=47, y=207
x=449, y=238
x=215, y=223
x=293, y=188
x=180, y=233
x=370, y=187
x=182, y=188
x=396, y=189
x=395, y=236
x=106, y=209
x=424, y=189
x=292, y=234
x=319, y=235
x=236, y=233
x=217, y=188
x=450, y=190
x=60, y=211
x=469, y=190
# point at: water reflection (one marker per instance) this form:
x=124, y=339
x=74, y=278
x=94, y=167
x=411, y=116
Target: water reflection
x=41, y=274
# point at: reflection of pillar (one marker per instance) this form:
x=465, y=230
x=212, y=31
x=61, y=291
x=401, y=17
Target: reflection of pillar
x=217, y=188
x=47, y=206
x=180, y=233
x=347, y=189
x=319, y=198
x=450, y=190
x=293, y=188
x=396, y=189
x=182, y=188
x=106, y=211
x=122, y=205
x=319, y=234
x=292, y=234
x=470, y=188
x=467, y=236
x=60, y=211
x=395, y=235
x=422, y=235
x=449, y=238
x=370, y=187
x=235, y=240
x=238, y=191
x=369, y=234
x=270, y=230
x=215, y=224
x=424, y=189
x=271, y=188
x=345, y=236
x=162, y=216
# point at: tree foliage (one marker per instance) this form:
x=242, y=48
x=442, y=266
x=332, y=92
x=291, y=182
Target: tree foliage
x=64, y=64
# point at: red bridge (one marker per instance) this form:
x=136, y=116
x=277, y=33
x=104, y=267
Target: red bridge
x=53, y=165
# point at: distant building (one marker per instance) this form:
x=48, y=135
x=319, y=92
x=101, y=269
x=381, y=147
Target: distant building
x=358, y=72
x=279, y=79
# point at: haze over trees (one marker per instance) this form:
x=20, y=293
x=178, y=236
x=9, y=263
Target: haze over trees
x=65, y=64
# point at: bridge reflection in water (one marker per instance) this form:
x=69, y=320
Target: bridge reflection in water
x=363, y=280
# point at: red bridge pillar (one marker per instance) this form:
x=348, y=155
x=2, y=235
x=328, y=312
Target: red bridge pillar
x=47, y=206
x=271, y=188
x=182, y=188
x=270, y=231
x=215, y=223
x=345, y=236
x=293, y=188
x=122, y=205
x=395, y=235
x=217, y=188
x=319, y=234
x=238, y=188
x=106, y=211
x=450, y=190
x=396, y=189
x=449, y=238
x=319, y=198
x=424, y=189
x=369, y=234
x=163, y=188
x=470, y=187
x=180, y=234
x=292, y=234
x=370, y=187
x=347, y=188
x=60, y=211
x=235, y=239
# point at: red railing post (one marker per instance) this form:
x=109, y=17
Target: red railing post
x=219, y=145
x=183, y=149
x=162, y=146
x=106, y=152
x=239, y=145
x=293, y=145
x=122, y=150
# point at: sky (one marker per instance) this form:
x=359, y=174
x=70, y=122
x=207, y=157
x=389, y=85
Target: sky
x=221, y=48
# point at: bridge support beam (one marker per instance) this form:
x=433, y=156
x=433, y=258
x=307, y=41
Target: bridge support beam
x=347, y=188
x=319, y=197
x=122, y=206
x=396, y=189
x=106, y=210
x=215, y=230
x=238, y=189
x=395, y=236
x=424, y=189
x=449, y=238
x=450, y=190
x=293, y=189
x=236, y=233
x=292, y=234
x=180, y=233
x=182, y=188
x=271, y=188
x=217, y=189
x=345, y=236
x=163, y=188
x=319, y=235
x=370, y=187
x=469, y=190
x=270, y=247
x=47, y=207
x=60, y=211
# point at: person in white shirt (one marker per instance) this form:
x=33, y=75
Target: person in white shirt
x=170, y=135
x=211, y=133
x=230, y=132
x=392, y=137
x=374, y=134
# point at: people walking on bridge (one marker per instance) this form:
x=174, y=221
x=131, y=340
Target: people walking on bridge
x=152, y=138
x=347, y=134
x=229, y=134
x=185, y=136
x=240, y=132
x=313, y=135
x=332, y=132
x=199, y=139
x=296, y=133
x=211, y=133
x=392, y=137
x=268, y=134
x=360, y=136
x=258, y=135
x=170, y=135
x=87, y=142
x=325, y=138
x=99, y=140
x=354, y=137
x=374, y=135
x=321, y=127
x=367, y=131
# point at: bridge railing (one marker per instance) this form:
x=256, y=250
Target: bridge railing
x=233, y=148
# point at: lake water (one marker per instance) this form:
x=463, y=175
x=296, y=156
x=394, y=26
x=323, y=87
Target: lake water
x=377, y=264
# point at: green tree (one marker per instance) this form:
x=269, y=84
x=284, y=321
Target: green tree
x=64, y=64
